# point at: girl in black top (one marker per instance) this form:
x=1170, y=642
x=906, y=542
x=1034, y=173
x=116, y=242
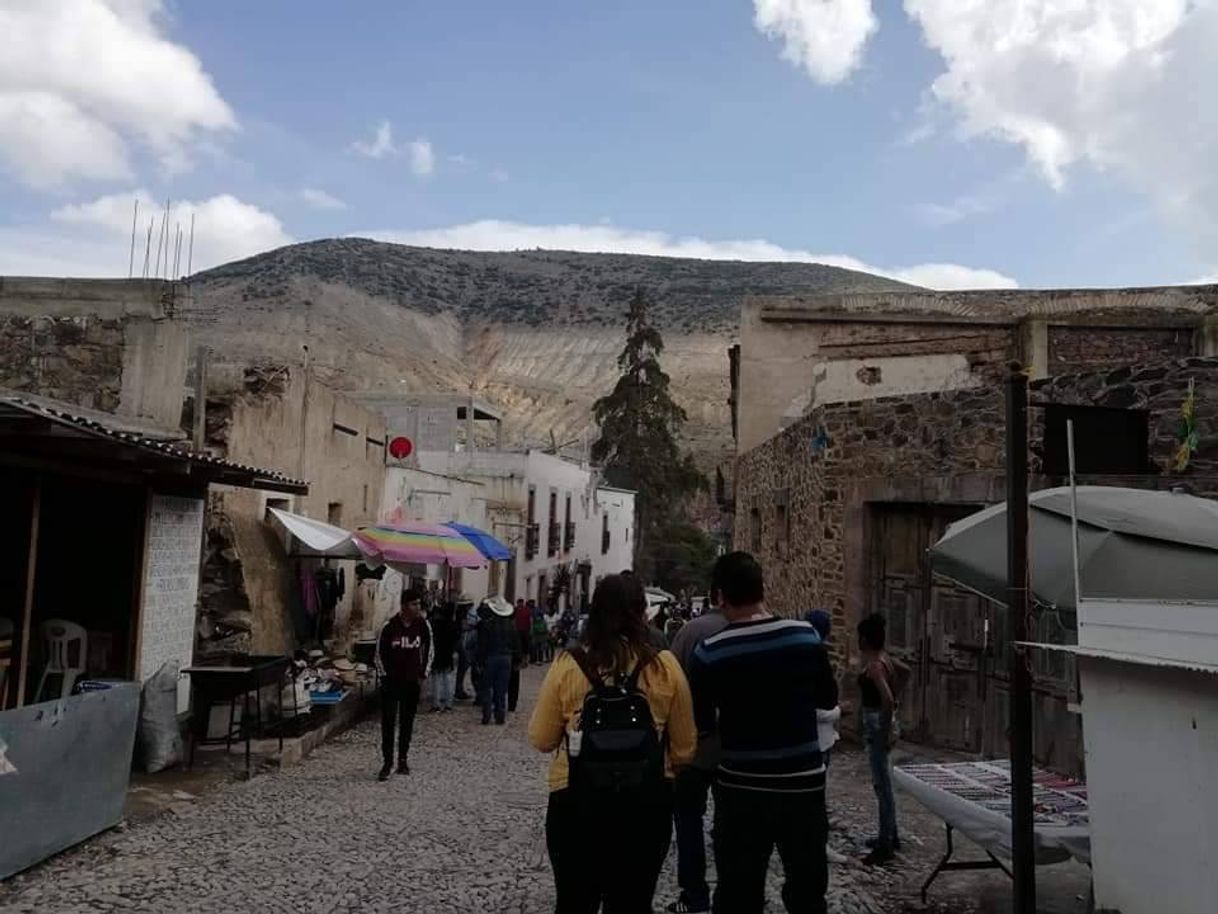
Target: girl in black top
x=878, y=687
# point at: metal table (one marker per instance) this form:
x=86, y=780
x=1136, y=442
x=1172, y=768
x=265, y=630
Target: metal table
x=974, y=798
x=229, y=679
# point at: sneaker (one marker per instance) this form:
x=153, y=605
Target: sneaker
x=386, y=770
x=463, y=696
x=435, y=710
x=403, y=768
x=682, y=906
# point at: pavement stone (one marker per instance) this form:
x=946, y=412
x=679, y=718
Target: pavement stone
x=463, y=833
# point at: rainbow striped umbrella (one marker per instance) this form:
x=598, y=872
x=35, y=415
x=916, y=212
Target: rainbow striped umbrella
x=418, y=543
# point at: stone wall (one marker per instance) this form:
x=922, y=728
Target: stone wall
x=1159, y=389
x=1075, y=349
x=107, y=345
x=825, y=468
x=76, y=359
x=806, y=500
x=946, y=447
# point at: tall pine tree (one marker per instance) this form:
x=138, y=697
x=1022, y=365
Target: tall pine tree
x=639, y=425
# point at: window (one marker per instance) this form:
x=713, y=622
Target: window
x=554, y=530
x=1106, y=441
x=782, y=528
x=605, y=533
x=568, y=536
x=755, y=530
x=532, y=536
x=334, y=513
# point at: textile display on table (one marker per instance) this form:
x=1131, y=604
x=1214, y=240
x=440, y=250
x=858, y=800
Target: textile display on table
x=975, y=797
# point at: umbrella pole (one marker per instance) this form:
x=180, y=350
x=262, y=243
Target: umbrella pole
x=1022, y=842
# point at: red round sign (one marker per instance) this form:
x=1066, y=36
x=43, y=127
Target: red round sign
x=400, y=448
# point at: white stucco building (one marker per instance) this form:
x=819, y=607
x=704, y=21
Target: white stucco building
x=560, y=522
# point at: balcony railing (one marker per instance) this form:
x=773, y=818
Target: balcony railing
x=532, y=541
x=568, y=541
x=553, y=539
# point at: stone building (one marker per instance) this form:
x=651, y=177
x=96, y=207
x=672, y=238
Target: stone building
x=121, y=349
x=106, y=345
x=254, y=578
x=841, y=504
x=798, y=352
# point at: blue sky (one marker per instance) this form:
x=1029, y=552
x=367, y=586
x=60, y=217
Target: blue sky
x=1037, y=142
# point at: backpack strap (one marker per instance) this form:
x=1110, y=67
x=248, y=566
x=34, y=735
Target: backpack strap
x=581, y=661
x=632, y=681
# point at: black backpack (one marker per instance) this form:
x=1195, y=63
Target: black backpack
x=619, y=751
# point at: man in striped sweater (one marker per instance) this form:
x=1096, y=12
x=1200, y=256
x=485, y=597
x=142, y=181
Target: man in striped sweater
x=757, y=686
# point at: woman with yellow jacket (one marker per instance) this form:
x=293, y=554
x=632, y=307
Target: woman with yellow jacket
x=618, y=717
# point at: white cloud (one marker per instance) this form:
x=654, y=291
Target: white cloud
x=499, y=175
x=381, y=145
x=496, y=235
x=824, y=37
x=1121, y=85
x=420, y=153
x=957, y=210
x=82, y=82
x=225, y=229
x=422, y=158
x=319, y=199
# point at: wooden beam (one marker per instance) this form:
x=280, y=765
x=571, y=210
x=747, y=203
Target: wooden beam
x=27, y=613
x=135, y=639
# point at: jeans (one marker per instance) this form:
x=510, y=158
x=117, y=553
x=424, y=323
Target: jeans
x=607, y=851
x=462, y=666
x=748, y=826
x=442, y=683
x=877, y=727
x=399, y=702
x=496, y=672
x=536, y=643
x=689, y=809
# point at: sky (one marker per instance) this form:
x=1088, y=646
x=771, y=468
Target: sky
x=948, y=143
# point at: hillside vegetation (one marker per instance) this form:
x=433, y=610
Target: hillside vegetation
x=536, y=333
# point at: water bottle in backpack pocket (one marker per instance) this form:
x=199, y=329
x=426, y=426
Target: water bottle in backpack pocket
x=616, y=749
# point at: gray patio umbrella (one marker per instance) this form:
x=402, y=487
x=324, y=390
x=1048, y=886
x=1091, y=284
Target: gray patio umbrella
x=1133, y=543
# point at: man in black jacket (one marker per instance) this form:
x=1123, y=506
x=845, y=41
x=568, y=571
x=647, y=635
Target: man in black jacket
x=499, y=649
x=403, y=660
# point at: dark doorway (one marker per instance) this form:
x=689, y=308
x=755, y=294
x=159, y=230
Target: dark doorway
x=1106, y=441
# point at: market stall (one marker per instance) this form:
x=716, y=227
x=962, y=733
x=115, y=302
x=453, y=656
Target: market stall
x=974, y=798
x=102, y=531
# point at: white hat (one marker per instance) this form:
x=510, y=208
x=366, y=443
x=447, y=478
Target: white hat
x=499, y=606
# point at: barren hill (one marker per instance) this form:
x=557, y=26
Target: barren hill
x=535, y=332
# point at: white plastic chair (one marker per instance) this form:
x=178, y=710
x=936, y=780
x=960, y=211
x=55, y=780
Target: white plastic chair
x=65, y=646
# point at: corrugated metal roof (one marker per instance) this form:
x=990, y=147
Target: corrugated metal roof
x=1124, y=657
x=227, y=471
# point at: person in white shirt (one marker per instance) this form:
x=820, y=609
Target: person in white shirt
x=826, y=720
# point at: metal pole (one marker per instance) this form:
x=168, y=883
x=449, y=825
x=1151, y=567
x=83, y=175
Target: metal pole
x=1022, y=842
x=190, y=251
x=1078, y=586
x=135, y=212
x=199, y=438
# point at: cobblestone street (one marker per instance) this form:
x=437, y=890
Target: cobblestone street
x=463, y=833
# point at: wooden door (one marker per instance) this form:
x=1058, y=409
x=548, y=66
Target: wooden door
x=935, y=627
